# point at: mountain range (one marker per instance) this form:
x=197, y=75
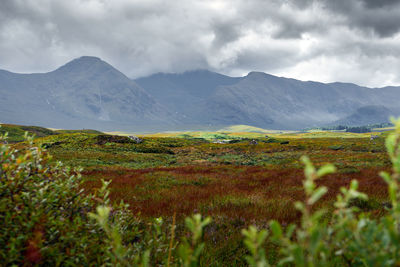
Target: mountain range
x=90, y=93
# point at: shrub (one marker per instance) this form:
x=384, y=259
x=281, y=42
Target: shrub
x=43, y=212
x=47, y=219
x=360, y=129
x=271, y=140
x=336, y=147
x=346, y=238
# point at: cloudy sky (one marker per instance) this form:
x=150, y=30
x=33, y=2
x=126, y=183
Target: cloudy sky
x=327, y=40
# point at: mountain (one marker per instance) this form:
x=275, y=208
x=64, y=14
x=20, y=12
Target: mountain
x=85, y=93
x=273, y=102
x=90, y=93
x=267, y=101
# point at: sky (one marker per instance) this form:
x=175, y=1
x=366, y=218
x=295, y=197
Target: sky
x=322, y=40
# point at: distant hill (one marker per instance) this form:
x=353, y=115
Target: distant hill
x=87, y=131
x=246, y=129
x=16, y=133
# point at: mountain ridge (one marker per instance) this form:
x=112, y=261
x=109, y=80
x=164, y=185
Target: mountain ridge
x=265, y=100
x=87, y=92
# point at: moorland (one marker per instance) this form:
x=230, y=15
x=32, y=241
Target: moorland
x=237, y=178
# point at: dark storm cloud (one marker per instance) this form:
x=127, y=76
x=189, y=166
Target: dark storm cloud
x=225, y=32
x=325, y=40
x=380, y=3
x=380, y=17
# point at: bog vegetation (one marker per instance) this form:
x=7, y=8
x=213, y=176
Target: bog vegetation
x=132, y=204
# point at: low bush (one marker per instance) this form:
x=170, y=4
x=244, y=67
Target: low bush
x=47, y=219
x=271, y=140
x=43, y=213
x=336, y=147
x=105, y=138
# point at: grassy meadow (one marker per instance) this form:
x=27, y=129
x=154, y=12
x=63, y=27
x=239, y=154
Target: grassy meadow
x=237, y=183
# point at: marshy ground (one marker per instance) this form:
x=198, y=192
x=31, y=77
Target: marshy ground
x=237, y=184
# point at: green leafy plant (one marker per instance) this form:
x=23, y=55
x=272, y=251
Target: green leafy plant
x=190, y=250
x=43, y=212
x=47, y=219
x=305, y=245
x=348, y=237
x=254, y=239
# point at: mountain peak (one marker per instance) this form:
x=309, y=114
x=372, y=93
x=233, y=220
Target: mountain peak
x=256, y=73
x=87, y=60
x=259, y=74
x=85, y=64
x=198, y=71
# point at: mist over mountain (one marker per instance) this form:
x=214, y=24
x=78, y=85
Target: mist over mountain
x=267, y=101
x=89, y=93
x=186, y=94
x=366, y=115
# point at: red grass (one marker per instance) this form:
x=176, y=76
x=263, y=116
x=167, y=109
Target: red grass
x=237, y=192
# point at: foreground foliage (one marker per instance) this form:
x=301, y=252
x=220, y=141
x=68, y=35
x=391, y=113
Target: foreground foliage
x=46, y=219
x=348, y=238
